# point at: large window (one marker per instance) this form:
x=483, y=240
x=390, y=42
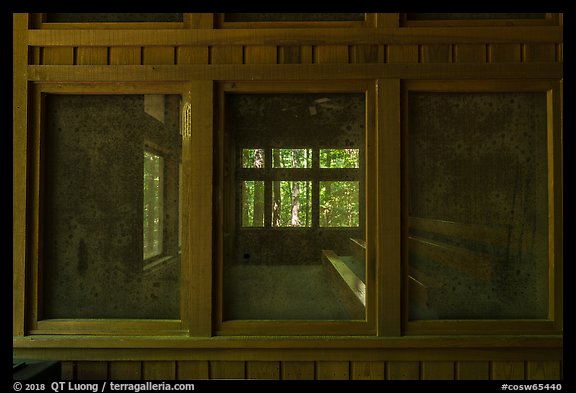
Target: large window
x=293, y=170
x=110, y=211
x=479, y=223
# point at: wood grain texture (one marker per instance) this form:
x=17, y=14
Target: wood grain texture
x=507, y=370
x=471, y=370
x=330, y=370
x=158, y=370
x=432, y=370
x=298, y=370
x=192, y=369
x=403, y=370
x=368, y=370
x=92, y=370
x=227, y=370
x=125, y=370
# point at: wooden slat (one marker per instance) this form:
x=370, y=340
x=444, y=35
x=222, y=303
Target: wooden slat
x=328, y=370
x=331, y=54
x=57, y=56
x=125, y=55
x=97, y=370
x=158, y=55
x=511, y=370
x=437, y=370
x=262, y=54
x=262, y=370
x=542, y=53
x=543, y=370
x=125, y=370
x=226, y=55
x=92, y=55
x=471, y=370
x=368, y=370
x=403, y=370
x=298, y=370
x=388, y=275
x=505, y=53
x=192, y=369
x=227, y=370
x=158, y=370
x=470, y=53
x=64, y=73
x=343, y=274
x=365, y=53
x=441, y=53
x=295, y=36
x=402, y=54
x=192, y=55
x=289, y=54
x=306, y=54
x=68, y=370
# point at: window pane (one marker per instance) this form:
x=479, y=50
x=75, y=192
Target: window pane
x=94, y=17
x=339, y=158
x=339, y=203
x=252, y=158
x=292, y=158
x=111, y=199
x=252, y=203
x=291, y=205
x=291, y=268
x=478, y=205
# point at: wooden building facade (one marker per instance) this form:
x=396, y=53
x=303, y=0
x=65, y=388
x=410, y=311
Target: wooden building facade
x=459, y=121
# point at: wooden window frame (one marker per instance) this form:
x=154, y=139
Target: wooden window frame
x=553, y=323
x=308, y=327
x=35, y=323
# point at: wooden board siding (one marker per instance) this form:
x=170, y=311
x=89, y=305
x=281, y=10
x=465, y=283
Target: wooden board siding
x=310, y=370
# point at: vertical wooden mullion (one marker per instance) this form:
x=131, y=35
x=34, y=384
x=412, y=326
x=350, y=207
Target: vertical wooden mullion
x=388, y=255
x=197, y=205
x=268, y=197
x=19, y=161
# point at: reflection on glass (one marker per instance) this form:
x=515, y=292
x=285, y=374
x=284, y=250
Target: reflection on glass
x=111, y=217
x=478, y=205
x=339, y=203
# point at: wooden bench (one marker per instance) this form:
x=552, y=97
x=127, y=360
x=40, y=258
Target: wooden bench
x=351, y=289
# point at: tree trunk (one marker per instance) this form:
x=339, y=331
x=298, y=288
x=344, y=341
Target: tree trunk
x=258, y=218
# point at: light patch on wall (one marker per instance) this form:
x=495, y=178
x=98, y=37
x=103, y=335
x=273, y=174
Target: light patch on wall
x=154, y=105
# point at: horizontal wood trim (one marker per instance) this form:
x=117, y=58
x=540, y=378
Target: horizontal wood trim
x=285, y=342
x=289, y=354
x=294, y=36
x=495, y=327
x=164, y=73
